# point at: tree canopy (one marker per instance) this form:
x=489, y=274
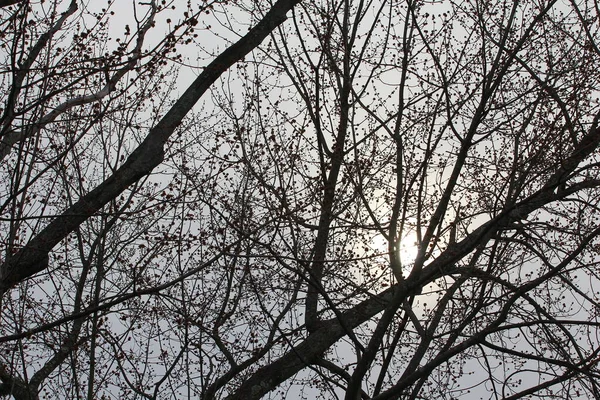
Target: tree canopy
x=358, y=199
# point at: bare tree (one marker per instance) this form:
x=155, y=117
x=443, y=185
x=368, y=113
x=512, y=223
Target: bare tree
x=375, y=199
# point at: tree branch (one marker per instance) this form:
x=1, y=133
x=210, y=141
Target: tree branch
x=142, y=161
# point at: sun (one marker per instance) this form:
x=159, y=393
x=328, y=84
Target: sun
x=407, y=249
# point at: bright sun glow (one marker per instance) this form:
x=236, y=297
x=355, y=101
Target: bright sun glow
x=407, y=251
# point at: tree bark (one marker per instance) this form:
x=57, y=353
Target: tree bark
x=30, y=259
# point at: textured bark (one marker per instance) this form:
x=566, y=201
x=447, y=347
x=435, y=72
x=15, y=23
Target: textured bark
x=6, y=3
x=329, y=332
x=313, y=347
x=30, y=259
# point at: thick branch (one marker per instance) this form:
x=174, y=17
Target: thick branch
x=29, y=260
x=6, y=3
x=270, y=376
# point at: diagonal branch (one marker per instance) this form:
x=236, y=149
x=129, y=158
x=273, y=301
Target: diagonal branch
x=12, y=137
x=25, y=66
x=6, y=3
x=329, y=332
x=32, y=258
